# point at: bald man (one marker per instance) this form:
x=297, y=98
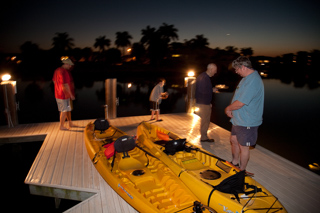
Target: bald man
x=203, y=94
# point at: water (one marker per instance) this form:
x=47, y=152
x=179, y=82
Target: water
x=15, y=162
x=289, y=127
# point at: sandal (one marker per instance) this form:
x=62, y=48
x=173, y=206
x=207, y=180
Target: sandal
x=208, y=140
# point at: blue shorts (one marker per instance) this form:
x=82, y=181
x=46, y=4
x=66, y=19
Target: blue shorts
x=64, y=105
x=246, y=136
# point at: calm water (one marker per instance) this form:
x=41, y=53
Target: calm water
x=289, y=129
x=15, y=163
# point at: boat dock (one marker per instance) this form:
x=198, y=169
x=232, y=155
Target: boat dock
x=63, y=170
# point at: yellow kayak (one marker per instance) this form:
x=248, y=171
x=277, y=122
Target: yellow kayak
x=140, y=179
x=213, y=180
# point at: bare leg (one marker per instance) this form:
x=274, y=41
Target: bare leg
x=239, y=152
x=63, y=116
x=158, y=114
x=70, y=121
x=152, y=114
x=244, y=156
x=235, y=149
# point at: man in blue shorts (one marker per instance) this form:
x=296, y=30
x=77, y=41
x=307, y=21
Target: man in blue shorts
x=245, y=111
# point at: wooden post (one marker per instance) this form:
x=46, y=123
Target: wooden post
x=191, y=90
x=9, y=94
x=111, y=98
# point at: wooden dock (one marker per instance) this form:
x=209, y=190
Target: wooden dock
x=63, y=170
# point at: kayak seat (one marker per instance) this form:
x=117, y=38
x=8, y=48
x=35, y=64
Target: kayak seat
x=173, y=146
x=124, y=144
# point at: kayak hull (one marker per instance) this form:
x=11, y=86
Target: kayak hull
x=142, y=181
x=202, y=172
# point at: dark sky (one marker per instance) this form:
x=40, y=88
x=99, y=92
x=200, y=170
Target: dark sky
x=270, y=28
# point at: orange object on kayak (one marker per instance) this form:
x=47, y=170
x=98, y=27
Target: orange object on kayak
x=162, y=136
x=109, y=152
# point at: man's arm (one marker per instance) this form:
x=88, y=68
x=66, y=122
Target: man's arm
x=234, y=106
x=67, y=91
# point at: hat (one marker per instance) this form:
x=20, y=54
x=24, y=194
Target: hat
x=67, y=61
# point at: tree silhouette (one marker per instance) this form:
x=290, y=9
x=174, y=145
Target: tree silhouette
x=30, y=54
x=113, y=56
x=102, y=42
x=157, y=41
x=123, y=40
x=62, y=42
x=148, y=35
x=198, y=42
x=87, y=53
x=168, y=32
x=231, y=49
x=138, y=51
x=246, y=51
x=29, y=47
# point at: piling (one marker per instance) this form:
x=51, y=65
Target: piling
x=111, y=98
x=10, y=104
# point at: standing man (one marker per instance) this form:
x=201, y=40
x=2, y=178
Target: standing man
x=64, y=92
x=245, y=111
x=203, y=95
x=155, y=99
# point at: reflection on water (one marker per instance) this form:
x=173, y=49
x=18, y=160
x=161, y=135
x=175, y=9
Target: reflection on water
x=290, y=113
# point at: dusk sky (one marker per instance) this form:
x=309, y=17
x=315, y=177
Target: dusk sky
x=270, y=28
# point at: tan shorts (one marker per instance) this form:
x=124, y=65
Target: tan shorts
x=64, y=105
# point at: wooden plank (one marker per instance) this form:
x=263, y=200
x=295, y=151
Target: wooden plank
x=39, y=128
x=63, y=163
x=27, y=129
x=77, y=172
x=53, y=158
x=38, y=167
x=69, y=161
x=60, y=160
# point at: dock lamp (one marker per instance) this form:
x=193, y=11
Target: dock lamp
x=190, y=78
x=9, y=90
x=190, y=83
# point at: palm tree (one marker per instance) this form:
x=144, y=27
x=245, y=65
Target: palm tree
x=168, y=32
x=153, y=43
x=157, y=41
x=62, y=42
x=123, y=40
x=148, y=35
x=101, y=42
